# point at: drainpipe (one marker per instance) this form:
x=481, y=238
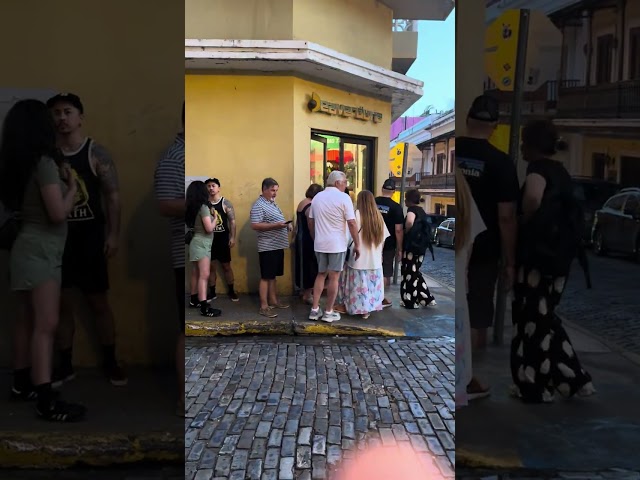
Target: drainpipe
x=589, y=46
x=622, y=4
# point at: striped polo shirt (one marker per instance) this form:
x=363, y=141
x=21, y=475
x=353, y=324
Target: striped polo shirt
x=169, y=185
x=267, y=211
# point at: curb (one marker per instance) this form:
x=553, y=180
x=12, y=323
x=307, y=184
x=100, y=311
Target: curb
x=207, y=328
x=442, y=285
x=66, y=449
x=632, y=357
x=469, y=459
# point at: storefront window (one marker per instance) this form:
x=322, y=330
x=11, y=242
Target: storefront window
x=354, y=156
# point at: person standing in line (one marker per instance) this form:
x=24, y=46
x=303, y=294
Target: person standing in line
x=493, y=181
x=361, y=288
x=224, y=239
x=306, y=262
x=168, y=185
x=199, y=220
x=331, y=218
x=414, y=290
x=394, y=220
x=94, y=237
x=32, y=183
x=273, y=238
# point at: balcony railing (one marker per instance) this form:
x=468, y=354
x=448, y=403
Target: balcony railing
x=540, y=101
x=612, y=100
x=404, y=26
x=443, y=181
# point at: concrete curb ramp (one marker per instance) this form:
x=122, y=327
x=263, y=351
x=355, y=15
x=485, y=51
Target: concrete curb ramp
x=208, y=328
x=68, y=449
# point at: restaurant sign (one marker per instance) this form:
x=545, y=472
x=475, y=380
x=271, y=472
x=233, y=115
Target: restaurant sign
x=316, y=104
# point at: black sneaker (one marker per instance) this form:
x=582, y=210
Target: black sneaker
x=61, y=375
x=211, y=294
x=211, y=312
x=193, y=304
x=25, y=394
x=233, y=296
x=116, y=376
x=58, y=411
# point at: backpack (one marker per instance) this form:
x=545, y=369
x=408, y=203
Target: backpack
x=9, y=227
x=553, y=237
x=418, y=239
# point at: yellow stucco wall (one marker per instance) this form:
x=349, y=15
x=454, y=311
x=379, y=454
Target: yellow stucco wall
x=613, y=147
x=360, y=28
x=431, y=207
x=242, y=129
x=131, y=83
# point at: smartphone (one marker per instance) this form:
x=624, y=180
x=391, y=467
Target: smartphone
x=288, y=222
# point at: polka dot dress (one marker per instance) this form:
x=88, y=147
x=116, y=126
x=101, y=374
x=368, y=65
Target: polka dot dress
x=413, y=287
x=542, y=357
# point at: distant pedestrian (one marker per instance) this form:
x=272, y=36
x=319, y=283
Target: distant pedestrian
x=273, y=239
x=414, y=290
x=394, y=220
x=200, y=221
x=361, y=289
x=542, y=357
x=306, y=263
x=331, y=218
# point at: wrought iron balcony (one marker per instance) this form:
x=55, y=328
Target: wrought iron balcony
x=443, y=181
x=611, y=100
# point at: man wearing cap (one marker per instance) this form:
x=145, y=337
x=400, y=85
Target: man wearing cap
x=93, y=236
x=224, y=238
x=394, y=220
x=493, y=181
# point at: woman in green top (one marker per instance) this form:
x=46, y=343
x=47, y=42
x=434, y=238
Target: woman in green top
x=32, y=183
x=198, y=217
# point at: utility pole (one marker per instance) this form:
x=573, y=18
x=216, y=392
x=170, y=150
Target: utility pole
x=403, y=186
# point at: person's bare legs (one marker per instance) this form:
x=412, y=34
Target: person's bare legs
x=213, y=274
x=387, y=282
x=203, y=269
x=273, y=293
x=479, y=339
x=332, y=290
x=46, y=310
x=264, y=293
x=307, y=295
x=23, y=330
x=318, y=287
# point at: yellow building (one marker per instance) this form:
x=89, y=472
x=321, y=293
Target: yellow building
x=293, y=90
x=131, y=83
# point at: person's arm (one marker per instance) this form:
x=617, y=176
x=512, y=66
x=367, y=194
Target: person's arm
x=104, y=168
x=399, y=231
x=259, y=225
x=408, y=223
x=57, y=204
x=532, y=196
x=311, y=222
x=508, y=192
x=207, y=219
x=169, y=189
x=231, y=214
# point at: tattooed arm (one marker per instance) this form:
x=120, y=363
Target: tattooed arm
x=231, y=213
x=105, y=170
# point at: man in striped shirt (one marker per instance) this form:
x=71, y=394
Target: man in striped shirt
x=169, y=189
x=273, y=238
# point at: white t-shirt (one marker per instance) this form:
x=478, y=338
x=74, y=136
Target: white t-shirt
x=330, y=210
x=370, y=258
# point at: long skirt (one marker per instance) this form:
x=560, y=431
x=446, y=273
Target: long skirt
x=361, y=291
x=542, y=357
x=413, y=288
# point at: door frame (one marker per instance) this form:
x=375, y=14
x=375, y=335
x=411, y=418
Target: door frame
x=369, y=142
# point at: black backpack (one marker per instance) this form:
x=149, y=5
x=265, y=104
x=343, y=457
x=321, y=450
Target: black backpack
x=418, y=239
x=9, y=227
x=553, y=237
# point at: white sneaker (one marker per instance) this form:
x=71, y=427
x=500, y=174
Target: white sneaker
x=432, y=303
x=315, y=314
x=330, y=317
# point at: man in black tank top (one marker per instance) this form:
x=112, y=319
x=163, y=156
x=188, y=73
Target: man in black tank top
x=93, y=235
x=224, y=238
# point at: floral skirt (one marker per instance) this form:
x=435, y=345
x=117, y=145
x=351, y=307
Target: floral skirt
x=361, y=291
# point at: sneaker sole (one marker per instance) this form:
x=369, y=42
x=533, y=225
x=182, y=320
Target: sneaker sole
x=119, y=383
x=59, y=383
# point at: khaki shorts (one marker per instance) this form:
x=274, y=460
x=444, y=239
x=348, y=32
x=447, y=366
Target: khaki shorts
x=330, y=262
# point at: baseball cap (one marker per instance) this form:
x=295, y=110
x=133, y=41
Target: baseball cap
x=70, y=98
x=389, y=184
x=485, y=109
x=213, y=180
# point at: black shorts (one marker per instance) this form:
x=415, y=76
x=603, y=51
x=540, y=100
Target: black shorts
x=482, y=276
x=271, y=264
x=84, y=264
x=180, y=297
x=220, y=250
x=388, y=261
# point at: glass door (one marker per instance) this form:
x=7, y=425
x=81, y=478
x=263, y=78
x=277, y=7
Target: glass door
x=318, y=158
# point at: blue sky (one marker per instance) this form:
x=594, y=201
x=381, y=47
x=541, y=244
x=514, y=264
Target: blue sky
x=435, y=65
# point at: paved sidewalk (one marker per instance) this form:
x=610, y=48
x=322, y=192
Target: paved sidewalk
x=582, y=434
x=242, y=318
x=283, y=408
x=609, y=474
x=125, y=425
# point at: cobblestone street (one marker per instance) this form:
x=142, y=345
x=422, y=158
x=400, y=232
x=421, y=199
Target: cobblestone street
x=294, y=407
x=443, y=268
x=610, y=309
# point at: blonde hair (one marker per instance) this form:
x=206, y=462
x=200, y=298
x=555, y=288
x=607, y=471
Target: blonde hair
x=370, y=219
x=463, y=207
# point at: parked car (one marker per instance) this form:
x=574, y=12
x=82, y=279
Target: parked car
x=616, y=226
x=435, y=219
x=446, y=233
x=592, y=193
